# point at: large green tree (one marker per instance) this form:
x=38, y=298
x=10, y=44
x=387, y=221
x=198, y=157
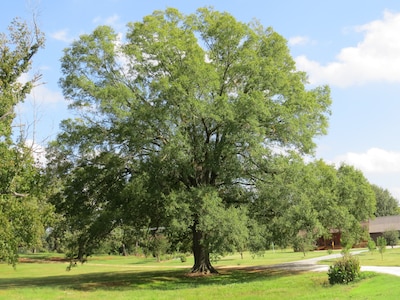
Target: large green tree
x=191, y=110
x=386, y=204
x=20, y=194
x=312, y=200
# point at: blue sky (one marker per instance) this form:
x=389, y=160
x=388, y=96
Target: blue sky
x=353, y=46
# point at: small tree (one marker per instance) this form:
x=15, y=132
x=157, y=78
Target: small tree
x=159, y=246
x=381, y=242
x=371, y=246
x=347, y=242
x=392, y=237
x=304, y=243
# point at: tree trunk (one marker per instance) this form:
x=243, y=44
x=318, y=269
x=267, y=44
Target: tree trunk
x=122, y=250
x=201, y=254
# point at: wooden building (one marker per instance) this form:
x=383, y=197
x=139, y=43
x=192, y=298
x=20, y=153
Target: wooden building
x=376, y=227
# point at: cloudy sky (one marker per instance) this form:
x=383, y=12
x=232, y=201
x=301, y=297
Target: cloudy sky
x=353, y=46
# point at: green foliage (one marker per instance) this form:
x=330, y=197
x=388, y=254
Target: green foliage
x=381, y=243
x=344, y=270
x=16, y=52
x=225, y=227
x=23, y=210
x=313, y=198
x=371, y=245
x=386, y=204
x=304, y=242
x=347, y=242
x=159, y=245
x=392, y=237
x=356, y=193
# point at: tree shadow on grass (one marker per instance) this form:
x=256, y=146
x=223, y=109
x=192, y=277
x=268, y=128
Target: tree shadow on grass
x=154, y=280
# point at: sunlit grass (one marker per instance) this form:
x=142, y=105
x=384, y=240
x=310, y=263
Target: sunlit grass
x=267, y=258
x=117, y=277
x=391, y=257
x=97, y=282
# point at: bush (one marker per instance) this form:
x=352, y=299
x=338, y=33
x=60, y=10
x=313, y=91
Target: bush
x=345, y=270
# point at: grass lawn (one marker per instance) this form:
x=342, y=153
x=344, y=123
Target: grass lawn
x=114, y=277
x=391, y=257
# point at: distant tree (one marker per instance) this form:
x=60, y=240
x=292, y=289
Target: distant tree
x=304, y=242
x=313, y=199
x=392, y=237
x=21, y=198
x=159, y=245
x=386, y=204
x=191, y=109
x=356, y=193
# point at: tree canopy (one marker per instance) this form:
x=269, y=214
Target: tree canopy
x=386, y=204
x=20, y=193
x=312, y=200
x=178, y=125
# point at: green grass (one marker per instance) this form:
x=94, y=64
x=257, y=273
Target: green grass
x=391, y=257
x=114, y=277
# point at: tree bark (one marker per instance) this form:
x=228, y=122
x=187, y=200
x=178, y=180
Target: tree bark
x=202, y=264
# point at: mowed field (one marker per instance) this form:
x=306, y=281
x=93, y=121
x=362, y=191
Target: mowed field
x=44, y=276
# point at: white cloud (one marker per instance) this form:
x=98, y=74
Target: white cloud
x=298, y=40
x=375, y=160
x=39, y=100
x=62, y=35
x=111, y=21
x=41, y=94
x=44, y=95
x=375, y=58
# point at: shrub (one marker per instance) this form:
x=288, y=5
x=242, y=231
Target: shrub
x=345, y=270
